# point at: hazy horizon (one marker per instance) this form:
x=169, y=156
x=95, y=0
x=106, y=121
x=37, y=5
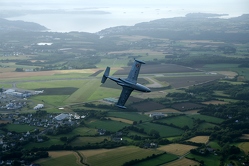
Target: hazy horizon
x=117, y=13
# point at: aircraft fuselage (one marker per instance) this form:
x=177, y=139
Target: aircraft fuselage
x=126, y=83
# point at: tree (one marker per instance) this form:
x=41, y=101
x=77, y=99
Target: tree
x=19, y=70
x=154, y=133
x=64, y=139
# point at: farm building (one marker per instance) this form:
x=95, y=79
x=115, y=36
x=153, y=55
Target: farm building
x=9, y=91
x=39, y=106
x=111, y=100
x=61, y=116
x=157, y=115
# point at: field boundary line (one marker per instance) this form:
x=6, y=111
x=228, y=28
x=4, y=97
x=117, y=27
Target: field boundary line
x=81, y=158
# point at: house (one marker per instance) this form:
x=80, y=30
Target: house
x=150, y=145
x=39, y=106
x=101, y=131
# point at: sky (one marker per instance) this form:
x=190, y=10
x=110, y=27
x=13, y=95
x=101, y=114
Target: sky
x=243, y=4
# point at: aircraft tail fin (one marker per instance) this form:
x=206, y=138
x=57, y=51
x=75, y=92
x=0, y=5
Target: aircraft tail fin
x=106, y=74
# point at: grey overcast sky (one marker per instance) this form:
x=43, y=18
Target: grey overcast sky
x=201, y=5
x=232, y=6
x=183, y=3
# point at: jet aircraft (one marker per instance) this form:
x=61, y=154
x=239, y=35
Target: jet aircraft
x=129, y=84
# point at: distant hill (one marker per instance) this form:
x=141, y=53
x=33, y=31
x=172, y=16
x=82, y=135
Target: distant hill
x=192, y=27
x=6, y=25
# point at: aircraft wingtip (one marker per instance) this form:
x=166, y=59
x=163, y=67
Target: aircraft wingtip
x=120, y=106
x=140, y=61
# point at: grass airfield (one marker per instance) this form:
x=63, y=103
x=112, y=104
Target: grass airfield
x=67, y=87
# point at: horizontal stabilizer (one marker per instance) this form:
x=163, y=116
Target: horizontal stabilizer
x=106, y=74
x=120, y=106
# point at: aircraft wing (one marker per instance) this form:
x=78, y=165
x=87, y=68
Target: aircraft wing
x=132, y=77
x=124, y=97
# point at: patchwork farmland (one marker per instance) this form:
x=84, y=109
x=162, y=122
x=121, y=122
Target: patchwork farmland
x=96, y=132
x=156, y=69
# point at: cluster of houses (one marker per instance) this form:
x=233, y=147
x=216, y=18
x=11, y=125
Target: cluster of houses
x=15, y=93
x=157, y=115
x=48, y=121
x=13, y=105
x=12, y=99
x=11, y=141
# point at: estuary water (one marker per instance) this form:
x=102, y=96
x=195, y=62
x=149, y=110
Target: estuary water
x=95, y=19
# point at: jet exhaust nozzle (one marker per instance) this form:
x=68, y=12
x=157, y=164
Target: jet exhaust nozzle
x=106, y=74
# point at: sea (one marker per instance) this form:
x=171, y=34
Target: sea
x=96, y=19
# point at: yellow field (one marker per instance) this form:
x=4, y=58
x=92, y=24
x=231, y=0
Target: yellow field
x=90, y=153
x=57, y=157
x=139, y=51
x=182, y=162
x=229, y=74
x=177, y=149
x=4, y=122
x=121, y=120
x=199, y=139
x=6, y=75
x=245, y=136
x=55, y=154
x=244, y=146
x=166, y=110
x=79, y=71
x=117, y=156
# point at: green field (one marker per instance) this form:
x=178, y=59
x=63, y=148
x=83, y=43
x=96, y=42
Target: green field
x=48, y=77
x=136, y=133
x=21, y=128
x=50, y=100
x=130, y=116
x=82, y=131
x=179, y=121
x=79, y=141
x=211, y=160
x=5, y=85
x=50, y=142
x=55, y=140
x=165, y=158
x=220, y=66
x=64, y=91
x=206, y=118
x=214, y=145
x=51, y=84
x=164, y=131
x=228, y=67
x=114, y=62
x=205, y=125
x=108, y=125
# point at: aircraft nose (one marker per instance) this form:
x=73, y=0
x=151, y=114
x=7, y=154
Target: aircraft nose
x=148, y=90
